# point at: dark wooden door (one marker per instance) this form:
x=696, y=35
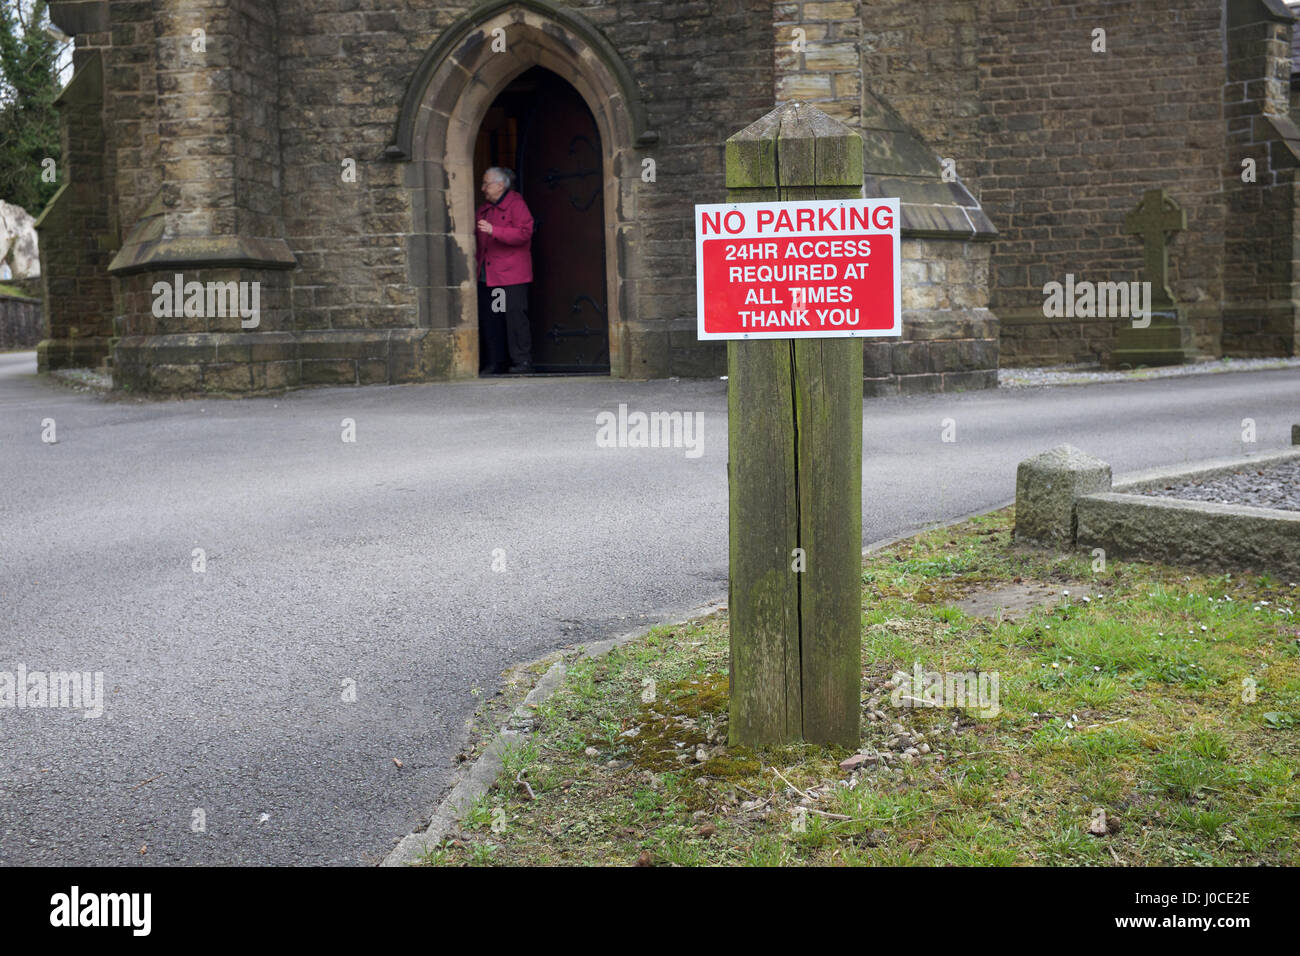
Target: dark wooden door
x=561, y=178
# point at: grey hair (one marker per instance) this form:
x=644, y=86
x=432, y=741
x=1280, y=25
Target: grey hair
x=501, y=175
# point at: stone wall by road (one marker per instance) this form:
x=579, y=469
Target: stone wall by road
x=21, y=325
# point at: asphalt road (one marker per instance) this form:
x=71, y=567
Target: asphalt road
x=329, y=562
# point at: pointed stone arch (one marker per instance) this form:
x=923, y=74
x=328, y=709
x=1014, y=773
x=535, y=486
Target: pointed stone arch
x=449, y=95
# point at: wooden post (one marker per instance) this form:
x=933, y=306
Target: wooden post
x=795, y=474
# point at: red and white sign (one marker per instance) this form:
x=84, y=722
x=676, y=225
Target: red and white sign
x=818, y=268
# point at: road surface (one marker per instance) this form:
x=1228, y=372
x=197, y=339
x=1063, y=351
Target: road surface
x=368, y=565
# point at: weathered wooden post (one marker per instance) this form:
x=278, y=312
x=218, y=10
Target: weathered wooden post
x=795, y=474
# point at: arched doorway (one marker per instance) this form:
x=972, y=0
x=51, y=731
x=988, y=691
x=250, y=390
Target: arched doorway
x=541, y=127
x=454, y=86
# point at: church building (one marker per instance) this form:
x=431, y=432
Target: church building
x=318, y=163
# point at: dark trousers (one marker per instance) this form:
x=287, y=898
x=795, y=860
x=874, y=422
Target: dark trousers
x=504, y=335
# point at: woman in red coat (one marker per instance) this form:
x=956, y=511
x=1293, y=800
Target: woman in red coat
x=504, y=264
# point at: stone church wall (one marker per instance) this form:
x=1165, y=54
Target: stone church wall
x=236, y=158
x=704, y=70
x=1260, y=250
x=950, y=338
x=1076, y=137
x=74, y=230
x=214, y=156
x=1059, y=143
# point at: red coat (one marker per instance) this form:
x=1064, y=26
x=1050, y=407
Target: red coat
x=508, y=251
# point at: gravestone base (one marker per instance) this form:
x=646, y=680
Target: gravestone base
x=1166, y=341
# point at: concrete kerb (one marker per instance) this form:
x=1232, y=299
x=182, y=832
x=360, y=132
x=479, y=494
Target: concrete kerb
x=1199, y=533
x=1117, y=518
x=935, y=526
x=480, y=777
x=1207, y=534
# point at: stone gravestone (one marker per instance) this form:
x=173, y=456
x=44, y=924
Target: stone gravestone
x=1168, y=338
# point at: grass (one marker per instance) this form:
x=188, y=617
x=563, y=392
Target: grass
x=1169, y=699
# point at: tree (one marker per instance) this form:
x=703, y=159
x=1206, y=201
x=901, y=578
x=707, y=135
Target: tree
x=29, y=123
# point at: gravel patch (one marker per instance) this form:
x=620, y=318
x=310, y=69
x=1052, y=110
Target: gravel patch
x=1277, y=486
x=1087, y=374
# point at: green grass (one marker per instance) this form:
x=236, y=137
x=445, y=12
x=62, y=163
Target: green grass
x=1170, y=699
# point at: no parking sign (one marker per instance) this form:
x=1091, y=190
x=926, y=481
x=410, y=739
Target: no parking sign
x=798, y=269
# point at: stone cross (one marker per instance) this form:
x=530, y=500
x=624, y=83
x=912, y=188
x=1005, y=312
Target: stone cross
x=1156, y=215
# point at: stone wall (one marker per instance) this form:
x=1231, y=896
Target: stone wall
x=216, y=215
x=343, y=74
x=1059, y=143
x=132, y=160
x=256, y=71
x=688, y=58
x=1260, y=250
x=826, y=68
x=21, y=325
x=920, y=58
x=210, y=352
x=949, y=340
x=343, y=78
x=75, y=230
x=1074, y=138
